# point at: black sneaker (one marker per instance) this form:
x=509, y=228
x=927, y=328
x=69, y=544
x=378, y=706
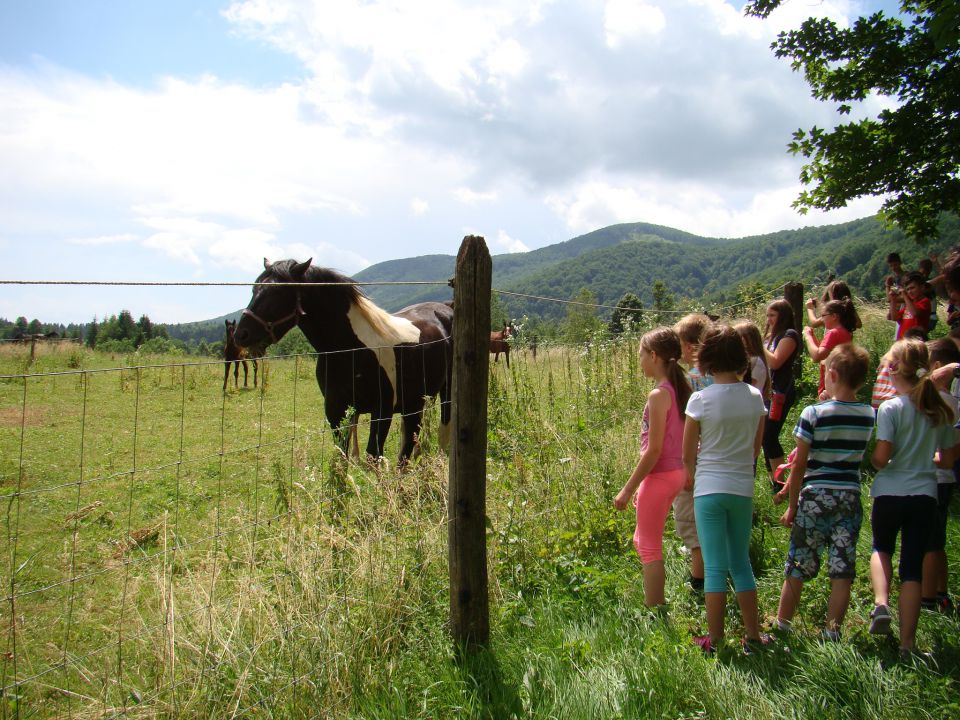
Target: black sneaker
x=880, y=620
x=752, y=647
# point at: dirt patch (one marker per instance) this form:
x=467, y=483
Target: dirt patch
x=13, y=416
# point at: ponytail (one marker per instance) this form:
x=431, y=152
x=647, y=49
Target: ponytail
x=928, y=401
x=665, y=342
x=681, y=386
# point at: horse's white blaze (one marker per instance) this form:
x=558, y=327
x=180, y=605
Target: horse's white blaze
x=380, y=331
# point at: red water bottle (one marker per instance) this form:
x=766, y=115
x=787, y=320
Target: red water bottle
x=777, y=401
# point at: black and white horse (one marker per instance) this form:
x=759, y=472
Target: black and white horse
x=369, y=360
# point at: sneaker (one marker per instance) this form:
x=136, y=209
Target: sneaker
x=945, y=604
x=705, y=643
x=912, y=655
x=828, y=635
x=752, y=647
x=880, y=620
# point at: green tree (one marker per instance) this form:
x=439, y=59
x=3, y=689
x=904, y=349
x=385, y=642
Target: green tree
x=145, y=328
x=663, y=302
x=582, y=321
x=627, y=315
x=35, y=327
x=911, y=152
x=92, y=330
x=20, y=326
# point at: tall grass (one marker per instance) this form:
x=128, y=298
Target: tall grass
x=242, y=568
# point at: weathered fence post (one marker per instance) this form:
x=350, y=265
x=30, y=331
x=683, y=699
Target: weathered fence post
x=469, y=604
x=793, y=294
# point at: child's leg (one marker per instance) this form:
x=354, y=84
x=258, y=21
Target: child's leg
x=881, y=572
x=844, y=521
x=885, y=519
x=789, y=598
x=712, y=523
x=918, y=509
x=685, y=523
x=935, y=561
x=656, y=493
x=838, y=603
x=739, y=526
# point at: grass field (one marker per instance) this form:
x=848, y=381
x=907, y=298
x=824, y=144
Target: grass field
x=172, y=550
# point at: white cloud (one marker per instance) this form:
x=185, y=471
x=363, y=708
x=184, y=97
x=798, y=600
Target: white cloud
x=473, y=197
x=104, y=239
x=509, y=244
x=626, y=20
x=419, y=206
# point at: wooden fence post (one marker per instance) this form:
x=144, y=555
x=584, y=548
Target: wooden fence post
x=793, y=294
x=467, y=540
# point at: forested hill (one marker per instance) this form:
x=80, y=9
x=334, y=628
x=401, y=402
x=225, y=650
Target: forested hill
x=630, y=257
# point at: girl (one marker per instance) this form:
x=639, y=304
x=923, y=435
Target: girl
x=837, y=323
x=914, y=432
x=725, y=421
x=781, y=346
x=835, y=290
x=659, y=474
x=758, y=374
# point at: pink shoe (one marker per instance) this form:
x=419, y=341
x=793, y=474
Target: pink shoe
x=704, y=643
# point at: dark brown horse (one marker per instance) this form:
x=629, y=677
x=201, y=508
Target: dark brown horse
x=235, y=355
x=369, y=360
x=499, y=343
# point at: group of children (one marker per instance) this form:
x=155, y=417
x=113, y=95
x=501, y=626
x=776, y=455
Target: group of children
x=705, y=426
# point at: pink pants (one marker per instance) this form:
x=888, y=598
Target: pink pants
x=653, y=501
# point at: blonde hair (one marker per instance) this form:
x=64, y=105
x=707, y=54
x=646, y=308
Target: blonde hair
x=665, y=342
x=690, y=327
x=851, y=363
x=910, y=361
x=753, y=344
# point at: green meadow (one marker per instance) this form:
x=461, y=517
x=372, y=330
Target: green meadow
x=171, y=550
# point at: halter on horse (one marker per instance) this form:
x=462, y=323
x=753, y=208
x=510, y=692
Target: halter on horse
x=368, y=360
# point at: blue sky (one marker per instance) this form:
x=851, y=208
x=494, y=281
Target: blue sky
x=181, y=140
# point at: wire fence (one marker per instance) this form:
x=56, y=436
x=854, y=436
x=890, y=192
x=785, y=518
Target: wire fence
x=171, y=548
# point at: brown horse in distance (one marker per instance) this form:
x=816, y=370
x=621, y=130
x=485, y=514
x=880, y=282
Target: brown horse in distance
x=234, y=354
x=499, y=343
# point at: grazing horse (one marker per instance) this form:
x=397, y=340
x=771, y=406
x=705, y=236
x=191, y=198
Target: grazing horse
x=499, y=343
x=369, y=360
x=234, y=354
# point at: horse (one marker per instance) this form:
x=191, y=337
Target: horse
x=499, y=343
x=234, y=355
x=368, y=359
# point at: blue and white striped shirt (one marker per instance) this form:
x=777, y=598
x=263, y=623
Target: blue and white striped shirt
x=838, y=433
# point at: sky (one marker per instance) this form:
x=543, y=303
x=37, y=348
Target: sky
x=186, y=140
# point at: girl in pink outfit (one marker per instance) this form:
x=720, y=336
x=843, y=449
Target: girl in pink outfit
x=838, y=326
x=660, y=473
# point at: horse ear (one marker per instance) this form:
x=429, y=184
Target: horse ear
x=266, y=264
x=300, y=269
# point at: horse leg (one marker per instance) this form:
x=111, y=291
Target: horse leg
x=244, y=372
x=354, y=433
x=341, y=435
x=236, y=374
x=379, y=429
x=506, y=354
x=254, y=372
x=411, y=429
x=226, y=374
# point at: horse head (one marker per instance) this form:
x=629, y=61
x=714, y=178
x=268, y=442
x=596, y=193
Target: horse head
x=275, y=307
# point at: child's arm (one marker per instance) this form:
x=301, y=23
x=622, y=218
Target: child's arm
x=658, y=405
x=817, y=351
x=945, y=457
x=691, y=443
x=782, y=353
x=882, y=453
x=797, y=472
x=814, y=321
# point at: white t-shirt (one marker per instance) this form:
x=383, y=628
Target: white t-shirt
x=911, y=470
x=758, y=373
x=945, y=476
x=728, y=415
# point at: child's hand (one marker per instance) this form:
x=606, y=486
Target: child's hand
x=621, y=500
x=811, y=303
x=782, y=495
x=787, y=518
x=688, y=484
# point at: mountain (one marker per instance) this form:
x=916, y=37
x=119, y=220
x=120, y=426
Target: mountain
x=630, y=257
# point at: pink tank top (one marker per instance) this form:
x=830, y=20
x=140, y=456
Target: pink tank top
x=670, y=455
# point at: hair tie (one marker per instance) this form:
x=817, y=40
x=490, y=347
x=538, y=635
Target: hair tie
x=921, y=372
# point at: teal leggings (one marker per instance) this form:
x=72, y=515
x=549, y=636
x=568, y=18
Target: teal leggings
x=723, y=524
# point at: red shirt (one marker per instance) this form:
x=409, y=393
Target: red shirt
x=831, y=338
x=919, y=319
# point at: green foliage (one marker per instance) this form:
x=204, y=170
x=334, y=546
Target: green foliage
x=663, y=303
x=582, y=321
x=293, y=343
x=910, y=152
x=627, y=316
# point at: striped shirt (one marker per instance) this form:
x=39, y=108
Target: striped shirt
x=838, y=433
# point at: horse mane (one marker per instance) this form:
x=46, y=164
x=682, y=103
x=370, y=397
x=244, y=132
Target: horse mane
x=390, y=329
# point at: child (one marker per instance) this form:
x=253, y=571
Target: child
x=909, y=306
x=759, y=374
x=838, y=329
x=824, y=509
x=781, y=345
x=914, y=431
x=659, y=474
x=835, y=290
x=725, y=421
x=689, y=329
x=934, y=594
